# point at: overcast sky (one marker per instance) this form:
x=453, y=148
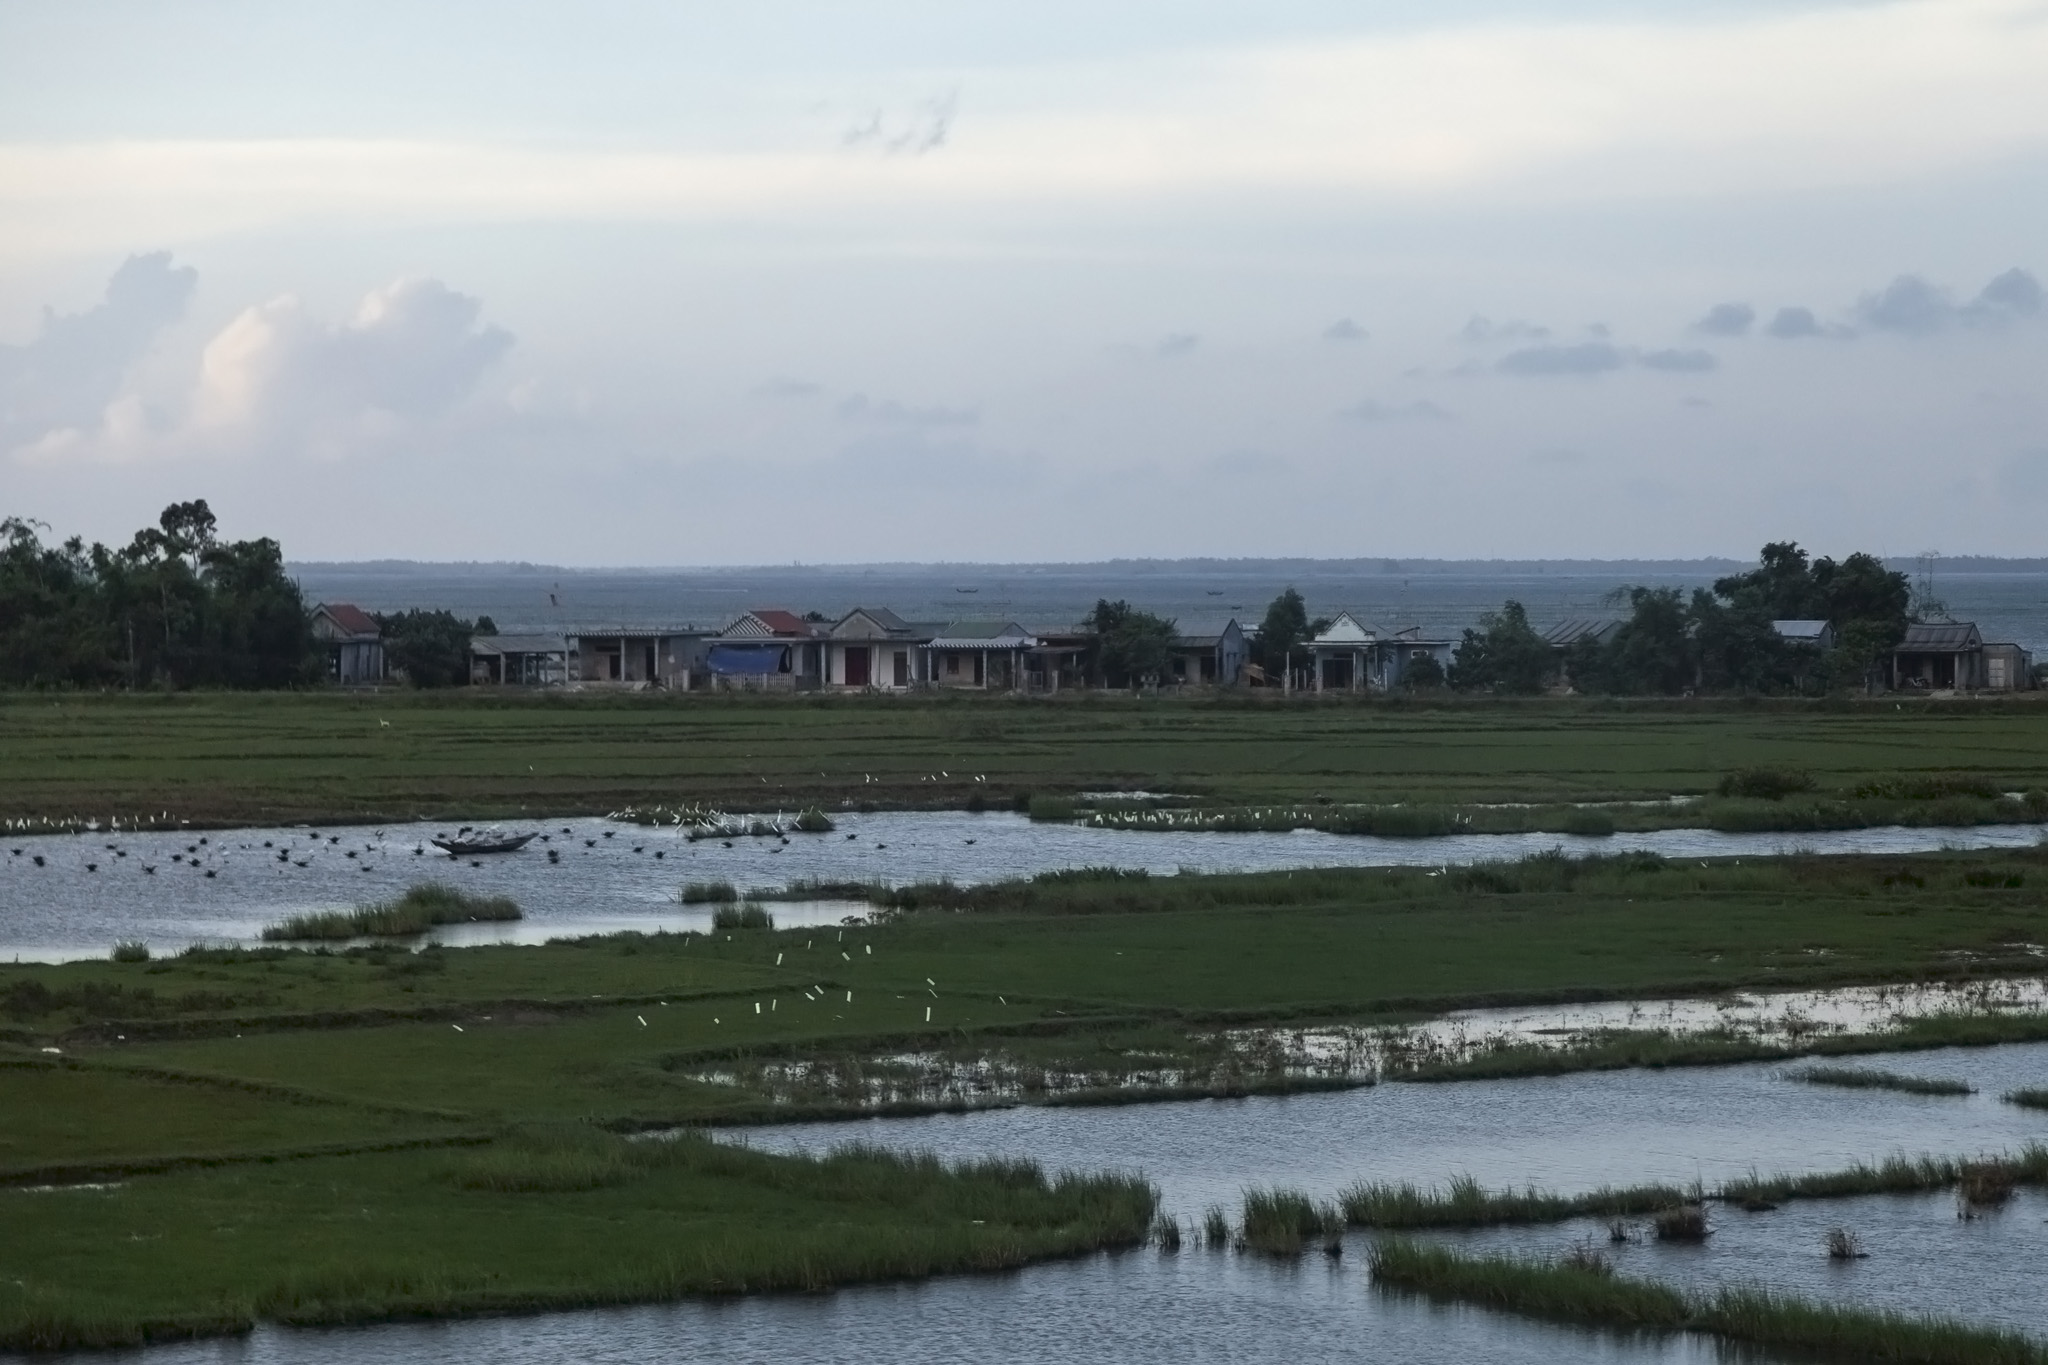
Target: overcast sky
x=655, y=283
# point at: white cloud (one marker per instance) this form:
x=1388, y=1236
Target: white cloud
x=276, y=377
x=74, y=366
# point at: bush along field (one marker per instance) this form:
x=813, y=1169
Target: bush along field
x=196, y=1111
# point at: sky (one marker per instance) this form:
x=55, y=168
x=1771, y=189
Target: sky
x=629, y=283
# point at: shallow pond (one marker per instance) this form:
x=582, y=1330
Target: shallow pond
x=170, y=889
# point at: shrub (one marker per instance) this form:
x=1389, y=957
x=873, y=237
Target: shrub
x=1051, y=809
x=1587, y=820
x=1765, y=784
x=708, y=893
x=131, y=950
x=418, y=910
x=1685, y=1223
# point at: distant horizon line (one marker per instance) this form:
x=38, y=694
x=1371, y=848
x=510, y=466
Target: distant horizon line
x=1387, y=565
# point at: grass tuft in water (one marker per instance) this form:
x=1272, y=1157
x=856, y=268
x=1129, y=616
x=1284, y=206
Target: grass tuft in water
x=1467, y=1203
x=1215, y=1227
x=708, y=893
x=744, y=915
x=1281, y=1222
x=1871, y=1078
x=1166, y=1232
x=2027, y=1099
x=1844, y=1245
x=1682, y=1223
x=418, y=910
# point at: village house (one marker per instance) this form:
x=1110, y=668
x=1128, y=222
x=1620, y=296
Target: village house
x=1817, y=635
x=767, y=649
x=1941, y=656
x=1059, y=659
x=353, y=643
x=989, y=655
x=1566, y=636
x=637, y=656
x=1215, y=657
x=874, y=648
x=1350, y=656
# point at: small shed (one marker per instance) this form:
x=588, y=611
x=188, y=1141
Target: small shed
x=1213, y=656
x=1939, y=656
x=353, y=641
x=519, y=660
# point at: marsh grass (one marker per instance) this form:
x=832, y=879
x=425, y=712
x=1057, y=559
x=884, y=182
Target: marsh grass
x=1215, y=1227
x=1166, y=1232
x=813, y=821
x=1467, y=1203
x=131, y=950
x=1871, y=1078
x=1047, y=809
x=418, y=910
x=1897, y=1174
x=1569, y=1291
x=2027, y=1098
x=742, y=915
x=1281, y=1222
x=1682, y=1223
x=1844, y=1245
x=708, y=893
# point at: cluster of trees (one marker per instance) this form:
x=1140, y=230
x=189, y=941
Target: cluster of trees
x=1718, y=641
x=175, y=607
x=1132, y=647
x=430, y=648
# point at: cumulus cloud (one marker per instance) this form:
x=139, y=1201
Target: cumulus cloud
x=1727, y=320
x=1790, y=324
x=413, y=349
x=1678, y=361
x=68, y=374
x=1178, y=344
x=277, y=377
x=1344, y=329
x=1372, y=410
x=1586, y=357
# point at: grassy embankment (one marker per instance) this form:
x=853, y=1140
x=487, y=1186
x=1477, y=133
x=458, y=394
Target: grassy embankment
x=220, y=758
x=1585, y=1290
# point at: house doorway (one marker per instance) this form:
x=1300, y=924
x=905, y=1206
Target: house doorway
x=902, y=669
x=650, y=663
x=857, y=666
x=1337, y=674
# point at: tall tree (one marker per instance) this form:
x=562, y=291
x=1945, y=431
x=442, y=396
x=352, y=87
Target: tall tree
x=1504, y=654
x=1133, y=647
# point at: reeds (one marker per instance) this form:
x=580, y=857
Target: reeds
x=1046, y=809
x=1572, y=1291
x=418, y=910
x=1681, y=1223
x=1871, y=1078
x=1281, y=1222
x=2027, y=1099
x=1215, y=1227
x=1166, y=1232
x=1986, y=1184
x=708, y=893
x=1844, y=1245
x=743, y=915
x=1897, y=1175
x=131, y=950
x=813, y=821
x=1467, y=1203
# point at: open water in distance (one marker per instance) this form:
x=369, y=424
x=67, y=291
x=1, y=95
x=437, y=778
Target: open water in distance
x=170, y=889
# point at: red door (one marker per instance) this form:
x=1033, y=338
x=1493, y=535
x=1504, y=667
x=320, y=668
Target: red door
x=857, y=666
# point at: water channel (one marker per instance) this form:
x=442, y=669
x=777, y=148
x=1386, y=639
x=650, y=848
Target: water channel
x=170, y=888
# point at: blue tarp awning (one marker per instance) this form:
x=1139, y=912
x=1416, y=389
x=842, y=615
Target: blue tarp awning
x=750, y=659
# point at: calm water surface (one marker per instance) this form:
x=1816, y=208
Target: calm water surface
x=94, y=889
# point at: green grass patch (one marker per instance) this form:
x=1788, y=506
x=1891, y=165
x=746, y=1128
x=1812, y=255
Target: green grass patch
x=545, y=1220
x=1898, y=1174
x=708, y=893
x=2027, y=1098
x=418, y=910
x=1872, y=1078
x=1280, y=1222
x=744, y=915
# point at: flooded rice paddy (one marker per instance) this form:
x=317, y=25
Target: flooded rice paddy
x=170, y=888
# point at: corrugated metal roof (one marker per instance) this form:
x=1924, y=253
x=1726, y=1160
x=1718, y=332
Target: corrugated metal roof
x=1565, y=634
x=781, y=622
x=350, y=618
x=1800, y=630
x=1940, y=637
x=982, y=630
x=519, y=644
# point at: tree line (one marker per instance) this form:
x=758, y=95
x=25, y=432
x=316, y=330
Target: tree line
x=178, y=607
x=1718, y=640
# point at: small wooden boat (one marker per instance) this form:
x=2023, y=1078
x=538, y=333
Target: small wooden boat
x=483, y=843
